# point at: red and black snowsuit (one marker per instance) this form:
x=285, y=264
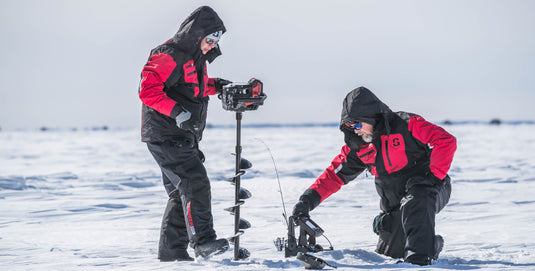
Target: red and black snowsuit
x=410, y=158
x=173, y=79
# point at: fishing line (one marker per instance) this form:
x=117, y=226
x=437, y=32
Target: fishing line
x=278, y=180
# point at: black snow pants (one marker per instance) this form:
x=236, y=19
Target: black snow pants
x=408, y=230
x=188, y=215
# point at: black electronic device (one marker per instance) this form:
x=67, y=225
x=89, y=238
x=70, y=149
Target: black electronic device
x=310, y=227
x=241, y=97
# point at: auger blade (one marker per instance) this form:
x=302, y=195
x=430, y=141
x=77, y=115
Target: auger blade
x=244, y=194
x=232, y=209
x=244, y=224
x=245, y=164
x=233, y=238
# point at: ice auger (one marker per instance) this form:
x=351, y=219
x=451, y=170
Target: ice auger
x=240, y=98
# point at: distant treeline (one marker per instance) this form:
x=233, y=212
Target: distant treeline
x=290, y=125
x=336, y=124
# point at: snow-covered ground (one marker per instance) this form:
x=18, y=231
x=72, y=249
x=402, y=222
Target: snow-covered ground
x=93, y=200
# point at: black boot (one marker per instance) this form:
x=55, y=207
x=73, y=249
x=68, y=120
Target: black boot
x=184, y=257
x=179, y=255
x=424, y=259
x=214, y=247
x=418, y=259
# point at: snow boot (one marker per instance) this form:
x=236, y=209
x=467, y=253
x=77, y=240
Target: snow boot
x=184, y=257
x=426, y=260
x=211, y=248
x=180, y=255
x=418, y=259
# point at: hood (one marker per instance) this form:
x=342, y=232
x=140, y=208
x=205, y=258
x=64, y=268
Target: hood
x=361, y=104
x=199, y=24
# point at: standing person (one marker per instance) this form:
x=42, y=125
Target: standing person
x=174, y=90
x=409, y=157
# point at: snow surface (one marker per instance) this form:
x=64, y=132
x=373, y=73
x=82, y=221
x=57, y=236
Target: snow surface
x=93, y=200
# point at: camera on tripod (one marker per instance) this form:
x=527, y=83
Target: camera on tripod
x=240, y=97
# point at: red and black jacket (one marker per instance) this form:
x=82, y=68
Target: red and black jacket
x=404, y=146
x=175, y=77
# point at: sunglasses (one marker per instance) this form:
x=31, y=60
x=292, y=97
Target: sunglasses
x=357, y=125
x=210, y=41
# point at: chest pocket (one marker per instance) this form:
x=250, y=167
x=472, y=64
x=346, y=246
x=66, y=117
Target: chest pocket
x=394, y=155
x=367, y=155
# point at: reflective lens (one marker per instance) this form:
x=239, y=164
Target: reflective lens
x=211, y=41
x=357, y=125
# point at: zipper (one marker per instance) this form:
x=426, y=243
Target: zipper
x=386, y=150
x=200, y=71
x=366, y=154
x=201, y=88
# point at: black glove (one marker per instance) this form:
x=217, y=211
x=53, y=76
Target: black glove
x=185, y=121
x=309, y=200
x=301, y=209
x=219, y=83
x=378, y=223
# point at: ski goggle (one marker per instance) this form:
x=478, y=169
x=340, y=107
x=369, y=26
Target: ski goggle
x=210, y=41
x=357, y=125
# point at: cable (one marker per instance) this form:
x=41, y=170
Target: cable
x=330, y=244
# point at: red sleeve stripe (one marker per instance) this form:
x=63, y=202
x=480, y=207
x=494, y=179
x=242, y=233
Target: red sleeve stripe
x=154, y=74
x=329, y=183
x=443, y=144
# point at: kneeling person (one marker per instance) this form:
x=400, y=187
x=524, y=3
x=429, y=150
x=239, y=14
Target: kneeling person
x=409, y=158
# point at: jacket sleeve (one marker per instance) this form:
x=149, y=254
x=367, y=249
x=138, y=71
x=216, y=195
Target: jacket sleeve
x=344, y=168
x=210, y=87
x=442, y=144
x=153, y=78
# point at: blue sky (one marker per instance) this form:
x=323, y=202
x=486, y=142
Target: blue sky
x=77, y=63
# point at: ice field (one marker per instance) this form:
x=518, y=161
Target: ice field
x=93, y=200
